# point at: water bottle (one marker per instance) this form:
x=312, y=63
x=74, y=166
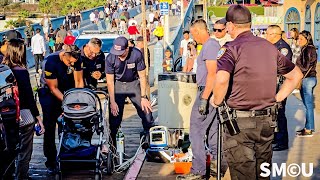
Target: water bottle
x=37, y=129
x=120, y=145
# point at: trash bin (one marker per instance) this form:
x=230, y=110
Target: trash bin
x=176, y=96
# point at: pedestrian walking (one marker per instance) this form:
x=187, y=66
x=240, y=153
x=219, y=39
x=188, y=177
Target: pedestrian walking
x=38, y=49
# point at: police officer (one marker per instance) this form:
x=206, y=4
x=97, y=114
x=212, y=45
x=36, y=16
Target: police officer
x=92, y=59
x=274, y=35
x=61, y=73
x=246, y=78
x=203, y=115
x=126, y=77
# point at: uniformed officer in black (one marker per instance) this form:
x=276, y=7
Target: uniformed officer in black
x=274, y=35
x=126, y=77
x=246, y=79
x=61, y=73
x=92, y=59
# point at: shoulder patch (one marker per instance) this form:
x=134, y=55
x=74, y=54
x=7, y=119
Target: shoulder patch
x=221, y=53
x=47, y=73
x=284, y=51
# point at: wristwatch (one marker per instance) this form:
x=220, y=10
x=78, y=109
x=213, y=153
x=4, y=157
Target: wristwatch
x=145, y=97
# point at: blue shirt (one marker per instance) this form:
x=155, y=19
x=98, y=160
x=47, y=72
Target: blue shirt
x=209, y=51
x=127, y=70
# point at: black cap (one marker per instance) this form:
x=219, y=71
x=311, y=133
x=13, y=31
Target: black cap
x=238, y=14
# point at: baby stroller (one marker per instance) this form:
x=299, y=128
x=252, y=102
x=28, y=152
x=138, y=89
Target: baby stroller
x=83, y=115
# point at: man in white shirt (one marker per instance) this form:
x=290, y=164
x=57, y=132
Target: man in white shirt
x=151, y=17
x=184, y=47
x=220, y=32
x=38, y=49
x=132, y=21
x=92, y=17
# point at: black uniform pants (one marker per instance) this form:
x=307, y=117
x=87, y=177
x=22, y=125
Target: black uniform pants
x=133, y=91
x=38, y=58
x=246, y=151
x=281, y=137
x=51, y=109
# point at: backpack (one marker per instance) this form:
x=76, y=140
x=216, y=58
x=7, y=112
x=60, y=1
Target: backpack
x=9, y=109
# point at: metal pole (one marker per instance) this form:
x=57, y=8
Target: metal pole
x=166, y=31
x=182, y=12
x=219, y=150
x=145, y=45
x=205, y=11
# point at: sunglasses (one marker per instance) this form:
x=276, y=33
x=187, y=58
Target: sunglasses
x=219, y=30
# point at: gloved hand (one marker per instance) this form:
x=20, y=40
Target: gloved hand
x=203, y=106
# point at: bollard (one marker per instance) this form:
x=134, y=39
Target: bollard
x=157, y=60
x=318, y=51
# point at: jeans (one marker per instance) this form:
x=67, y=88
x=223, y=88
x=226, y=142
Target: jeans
x=26, y=147
x=203, y=130
x=38, y=58
x=306, y=93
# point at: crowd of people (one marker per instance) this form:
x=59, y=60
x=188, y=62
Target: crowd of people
x=222, y=62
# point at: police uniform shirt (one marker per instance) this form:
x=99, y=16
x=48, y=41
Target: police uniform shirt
x=253, y=64
x=284, y=49
x=127, y=70
x=56, y=69
x=89, y=66
x=209, y=51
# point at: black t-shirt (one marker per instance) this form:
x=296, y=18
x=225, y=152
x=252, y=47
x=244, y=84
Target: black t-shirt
x=89, y=66
x=284, y=49
x=56, y=69
x=127, y=70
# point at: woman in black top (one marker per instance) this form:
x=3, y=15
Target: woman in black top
x=307, y=62
x=78, y=19
x=15, y=58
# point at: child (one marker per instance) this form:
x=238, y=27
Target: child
x=167, y=63
x=52, y=41
x=132, y=30
x=191, y=58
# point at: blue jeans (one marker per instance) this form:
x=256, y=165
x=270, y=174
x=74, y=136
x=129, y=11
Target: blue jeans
x=306, y=93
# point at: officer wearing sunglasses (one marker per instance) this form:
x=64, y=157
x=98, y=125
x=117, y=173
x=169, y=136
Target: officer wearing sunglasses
x=220, y=32
x=93, y=62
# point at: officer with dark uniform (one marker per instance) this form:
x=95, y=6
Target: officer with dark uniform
x=246, y=79
x=274, y=35
x=60, y=74
x=203, y=122
x=126, y=77
x=92, y=59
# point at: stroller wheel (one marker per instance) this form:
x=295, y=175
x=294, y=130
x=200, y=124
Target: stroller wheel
x=58, y=176
x=98, y=176
x=109, y=162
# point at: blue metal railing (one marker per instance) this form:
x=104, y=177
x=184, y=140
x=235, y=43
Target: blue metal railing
x=56, y=22
x=178, y=34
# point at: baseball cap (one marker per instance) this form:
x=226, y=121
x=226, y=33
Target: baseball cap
x=140, y=38
x=119, y=46
x=73, y=50
x=69, y=40
x=238, y=14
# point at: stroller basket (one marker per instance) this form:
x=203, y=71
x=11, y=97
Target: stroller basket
x=79, y=104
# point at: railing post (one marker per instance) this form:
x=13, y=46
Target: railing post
x=158, y=52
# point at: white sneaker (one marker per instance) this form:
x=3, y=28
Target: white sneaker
x=295, y=91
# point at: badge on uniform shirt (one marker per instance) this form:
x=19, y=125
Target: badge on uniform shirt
x=47, y=73
x=98, y=66
x=131, y=66
x=284, y=51
x=221, y=53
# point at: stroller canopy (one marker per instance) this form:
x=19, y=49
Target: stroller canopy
x=79, y=103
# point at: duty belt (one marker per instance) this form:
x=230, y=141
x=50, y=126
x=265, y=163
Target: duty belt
x=200, y=88
x=254, y=113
